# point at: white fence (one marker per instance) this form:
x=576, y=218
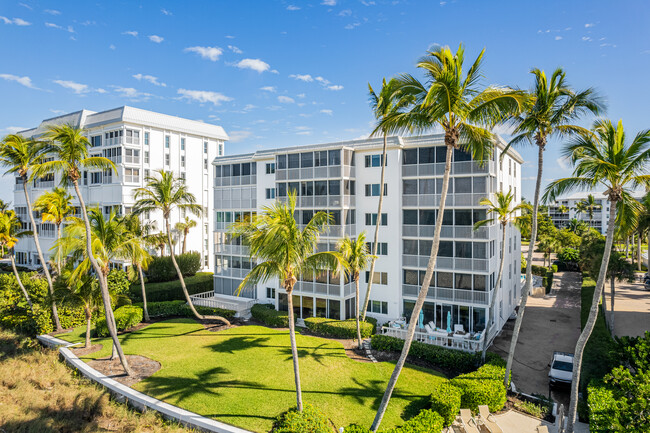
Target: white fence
x=209, y=299
x=452, y=341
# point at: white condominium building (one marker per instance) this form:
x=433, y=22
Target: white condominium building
x=343, y=179
x=138, y=142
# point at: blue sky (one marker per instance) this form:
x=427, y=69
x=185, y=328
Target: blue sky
x=280, y=73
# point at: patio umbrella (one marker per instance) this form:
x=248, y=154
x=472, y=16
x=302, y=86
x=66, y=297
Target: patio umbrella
x=421, y=321
x=449, y=322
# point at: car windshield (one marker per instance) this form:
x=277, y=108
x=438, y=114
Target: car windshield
x=562, y=366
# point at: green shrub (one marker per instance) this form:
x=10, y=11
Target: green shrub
x=446, y=402
x=356, y=428
x=482, y=387
x=533, y=409
x=118, y=282
x=162, y=268
x=540, y=271
x=171, y=290
x=426, y=421
x=180, y=308
x=553, y=268
x=125, y=317
x=339, y=328
x=70, y=317
x=310, y=420
x=268, y=315
x=603, y=408
x=548, y=281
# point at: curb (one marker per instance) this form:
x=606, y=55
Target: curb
x=366, y=347
x=136, y=399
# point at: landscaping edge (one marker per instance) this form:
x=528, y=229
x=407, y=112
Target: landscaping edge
x=136, y=399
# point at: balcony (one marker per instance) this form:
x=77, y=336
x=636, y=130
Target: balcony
x=438, y=169
x=466, y=343
x=450, y=232
x=433, y=200
x=449, y=295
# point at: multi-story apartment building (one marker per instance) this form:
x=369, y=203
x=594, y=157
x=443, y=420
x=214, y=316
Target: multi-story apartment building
x=343, y=179
x=138, y=142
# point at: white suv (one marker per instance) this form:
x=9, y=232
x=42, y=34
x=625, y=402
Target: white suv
x=561, y=371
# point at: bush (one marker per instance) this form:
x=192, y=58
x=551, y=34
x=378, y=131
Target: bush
x=180, y=308
x=548, y=281
x=268, y=315
x=356, y=428
x=540, y=271
x=118, y=282
x=446, y=401
x=125, y=317
x=553, y=268
x=339, y=328
x=426, y=421
x=310, y=420
x=171, y=290
x=162, y=268
x=482, y=387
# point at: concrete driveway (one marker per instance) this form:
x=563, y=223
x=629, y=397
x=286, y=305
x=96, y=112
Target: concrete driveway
x=631, y=308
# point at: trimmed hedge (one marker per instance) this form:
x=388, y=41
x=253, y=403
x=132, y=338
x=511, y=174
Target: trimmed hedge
x=180, y=308
x=125, y=317
x=340, y=328
x=446, y=402
x=482, y=387
x=162, y=268
x=267, y=314
x=427, y=421
x=171, y=290
x=310, y=420
x=547, y=281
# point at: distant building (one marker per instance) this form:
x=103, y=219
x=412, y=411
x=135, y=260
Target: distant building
x=138, y=142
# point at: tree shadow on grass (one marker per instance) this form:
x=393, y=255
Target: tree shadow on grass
x=373, y=391
x=318, y=353
x=237, y=344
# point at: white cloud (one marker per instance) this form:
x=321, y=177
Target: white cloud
x=301, y=95
x=57, y=111
x=587, y=39
x=274, y=71
x=16, y=21
x=68, y=29
x=352, y=26
x=111, y=46
x=203, y=96
x=26, y=6
x=249, y=107
x=25, y=81
x=131, y=93
x=558, y=38
x=237, y=136
x=210, y=53
x=303, y=130
x=52, y=12
x=368, y=3
x=306, y=77
x=230, y=37
x=286, y=100
x=564, y=163
x=589, y=25
x=155, y=38
x=608, y=45
x=327, y=111
x=268, y=88
x=150, y=78
x=254, y=64
x=329, y=2
x=293, y=8
x=335, y=87
x=14, y=129
x=131, y=33
x=78, y=88
x=345, y=13
x=235, y=49
x=166, y=12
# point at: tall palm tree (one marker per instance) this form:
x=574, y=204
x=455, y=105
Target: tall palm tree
x=167, y=193
x=503, y=212
x=576, y=226
x=69, y=147
x=588, y=206
x=55, y=207
x=184, y=227
x=603, y=158
x=554, y=110
x=563, y=209
x=138, y=253
x=286, y=252
x=21, y=156
x=548, y=245
x=10, y=232
x=383, y=104
x=456, y=102
x=356, y=255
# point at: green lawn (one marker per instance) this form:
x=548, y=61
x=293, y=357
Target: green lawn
x=244, y=376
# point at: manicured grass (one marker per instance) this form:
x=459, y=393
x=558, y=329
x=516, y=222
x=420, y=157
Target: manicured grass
x=244, y=376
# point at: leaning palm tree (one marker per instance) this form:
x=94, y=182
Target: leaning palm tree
x=383, y=104
x=356, y=255
x=588, y=206
x=286, y=252
x=69, y=147
x=556, y=106
x=138, y=253
x=454, y=101
x=55, y=207
x=10, y=232
x=603, y=158
x=21, y=156
x=166, y=193
x=504, y=213
x=184, y=228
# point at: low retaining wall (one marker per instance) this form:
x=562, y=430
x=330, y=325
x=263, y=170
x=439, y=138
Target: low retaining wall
x=136, y=399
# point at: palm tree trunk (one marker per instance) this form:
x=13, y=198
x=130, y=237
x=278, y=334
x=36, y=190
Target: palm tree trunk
x=638, y=251
x=591, y=321
x=356, y=300
x=180, y=278
x=421, y=296
x=612, y=297
x=58, y=251
x=20, y=283
x=627, y=247
x=48, y=277
x=184, y=242
x=144, y=294
x=88, y=317
x=103, y=285
x=294, y=349
x=648, y=264
x=529, y=265
x=603, y=301
x=376, y=237
x=494, y=294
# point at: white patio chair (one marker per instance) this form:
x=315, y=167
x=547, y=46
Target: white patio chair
x=459, y=328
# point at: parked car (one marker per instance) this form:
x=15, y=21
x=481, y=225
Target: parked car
x=561, y=371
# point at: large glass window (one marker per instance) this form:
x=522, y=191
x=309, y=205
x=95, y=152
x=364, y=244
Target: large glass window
x=445, y=279
x=281, y=161
x=294, y=160
x=460, y=155
x=427, y=217
x=479, y=215
x=425, y=247
x=480, y=283
x=335, y=309
x=307, y=189
x=480, y=185
x=282, y=190
x=463, y=185
x=411, y=277
x=321, y=307
x=464, y=250
x=307, y=215
x=427, y=155
x=334, y=157
x=293, y=188
x=410, y=247
x=464, y=281
x=427, y=186
x=446, y=249
x=246, y=169
x=306, y=160
x=448, y=218
x=410, y=187
x=334, y=187
x=410, y=217
x=320, y=187
x=463, y=217
x=410, y=156
x=320, y=158
x=480, y=250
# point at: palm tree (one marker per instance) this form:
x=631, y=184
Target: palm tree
x=167, y=193
x=548, y=245
x=465, y=111
x=644, y=221
x=55, y=206
x=158, y=240
x=587, y=206
x=69, y=147
x=576, y=226
x=286, y=252
x=184, y=227
x=383, y=104
x=563, y=209
x=603, y=157
x=10, y=232
x=138, y=253
x=555, y=106
x=504, y=213
x=356, y=255
x=21, y=156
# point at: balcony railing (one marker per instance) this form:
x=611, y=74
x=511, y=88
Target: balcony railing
x=466, y=343
x=450, y=232
x=453, y=295
x=438, y=169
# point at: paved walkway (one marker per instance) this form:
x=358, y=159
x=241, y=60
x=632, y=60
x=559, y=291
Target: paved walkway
x=631, y=308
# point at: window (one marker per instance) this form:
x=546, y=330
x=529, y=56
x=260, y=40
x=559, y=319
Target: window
x=378, y=278
x=114, y=154
x=371, y=219
x=378, y=307
x=95, y=178
x=132, y=175
x=183, y=177
x=85, y=178
x=270, y=168
x=410, y=217
x=306, y=160
x=410, y=157
x=166, y=141
x=183, y=161
x=374, y=161
x=334, y=187
x=373, y=189
x=320, y=158
x=427, y=186
x=410, y=247
x=334, y=157
x=132, y=137
x=167, y=159
x=146, y=139
x=320, y=187
x=146, y=157
x=270, y=193
x=410, y=187
x=205, y=147
x=427, y=155
x=382, y=248
x=205, y=163
x=427, y=217
x=182, y=144
x=270, y=293
x=294, y=160
x=147, y=174
x=281, y=162
x=96, y=141
x=131, y=156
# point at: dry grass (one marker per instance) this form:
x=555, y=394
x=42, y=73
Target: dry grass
x=40, y=394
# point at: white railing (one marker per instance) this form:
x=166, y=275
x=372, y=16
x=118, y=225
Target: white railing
x=208, y=299
x=443, y=339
